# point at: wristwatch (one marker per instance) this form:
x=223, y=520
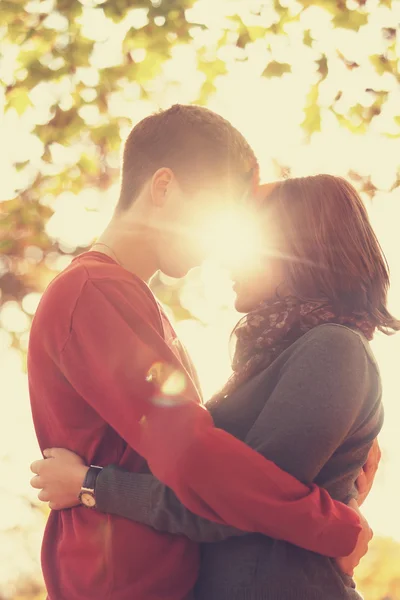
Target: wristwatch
x=87, y=493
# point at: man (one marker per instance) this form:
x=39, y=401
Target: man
x=109, y=380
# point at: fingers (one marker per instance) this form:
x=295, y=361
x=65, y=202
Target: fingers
x=36, y=482
x=362, y=482
x=53, y=452
x=374, y=458
x=371, y=466
x=378, y=452
x=36, y=466
x=43, y=495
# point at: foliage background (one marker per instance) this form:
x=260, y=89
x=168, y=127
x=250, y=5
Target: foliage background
x=314, y=85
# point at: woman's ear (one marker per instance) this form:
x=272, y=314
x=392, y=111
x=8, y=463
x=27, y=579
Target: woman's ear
x=159, y=186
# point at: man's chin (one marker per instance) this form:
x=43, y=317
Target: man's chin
x=176, y=273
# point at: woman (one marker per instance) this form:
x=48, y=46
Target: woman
x=305, y=390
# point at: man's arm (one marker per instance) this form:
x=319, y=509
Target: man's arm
x=299, y=431
x=212, y=473
x=302, y=431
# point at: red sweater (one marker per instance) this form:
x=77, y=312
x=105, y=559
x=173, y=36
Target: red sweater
x=96, y=335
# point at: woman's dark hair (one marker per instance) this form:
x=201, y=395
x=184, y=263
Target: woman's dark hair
x=332, y=249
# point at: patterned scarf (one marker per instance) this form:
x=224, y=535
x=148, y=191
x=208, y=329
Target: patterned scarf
x=262, y=335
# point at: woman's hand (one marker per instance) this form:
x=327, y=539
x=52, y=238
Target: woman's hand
x=59, y=477
x=364, y=483
x=347, y=564
x=367, y=475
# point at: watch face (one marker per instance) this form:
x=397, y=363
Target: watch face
x=88, y=500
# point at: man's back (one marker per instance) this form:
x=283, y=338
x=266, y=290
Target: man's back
x=87, y=554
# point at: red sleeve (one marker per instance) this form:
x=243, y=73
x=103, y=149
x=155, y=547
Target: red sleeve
x=215, y=475
x=219, y=478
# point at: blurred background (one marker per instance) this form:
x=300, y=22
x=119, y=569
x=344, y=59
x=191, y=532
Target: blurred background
x=313, y=85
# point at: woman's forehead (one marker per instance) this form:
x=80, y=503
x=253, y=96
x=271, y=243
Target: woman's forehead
x=264, y=190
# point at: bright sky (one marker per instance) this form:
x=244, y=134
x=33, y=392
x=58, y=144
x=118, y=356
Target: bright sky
x=269, y=113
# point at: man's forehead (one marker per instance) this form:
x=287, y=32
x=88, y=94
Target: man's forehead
x=235, y=190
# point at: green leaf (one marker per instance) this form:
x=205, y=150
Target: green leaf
x=312, y=112
x=9, y=10
x=78, y=52
x=256, y=33
x=208, y=89
x=107, y=135
x=354, y=123
x=38, y=73
x=322, y=67
x=18, y=98
x=118, y=9
x=212, y=69
x=350, y=19
x=243, y=40
x=69, y=8
x=307, y=38
x=276, y=69
x=65, y=125
x=20, y=166
x=88, y=165
x=382, y=64
x=330, y=6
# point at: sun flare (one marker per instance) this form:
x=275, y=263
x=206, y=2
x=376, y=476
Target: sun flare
x=234, y=239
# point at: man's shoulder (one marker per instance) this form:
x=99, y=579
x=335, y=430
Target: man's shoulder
x=52, y=319
x=89, y=277
x=69, y=285
x=65, y=288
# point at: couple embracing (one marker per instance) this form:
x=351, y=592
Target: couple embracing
x=254, y=495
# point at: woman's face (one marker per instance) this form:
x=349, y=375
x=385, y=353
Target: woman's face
x=260, y=280
x=258, y=283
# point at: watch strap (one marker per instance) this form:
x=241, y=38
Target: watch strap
x=89, y=482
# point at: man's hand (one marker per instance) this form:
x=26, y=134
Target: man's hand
x=366, y=477
x=59, y=477
x=347, y=564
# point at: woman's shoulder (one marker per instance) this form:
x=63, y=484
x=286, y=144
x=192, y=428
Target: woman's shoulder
x=339, y=339
x=337, y=362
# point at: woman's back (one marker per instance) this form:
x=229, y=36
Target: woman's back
x=315, y=412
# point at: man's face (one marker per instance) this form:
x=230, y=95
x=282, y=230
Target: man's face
x=185, y=223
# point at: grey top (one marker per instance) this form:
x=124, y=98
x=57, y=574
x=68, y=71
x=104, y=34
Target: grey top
x=315, y=412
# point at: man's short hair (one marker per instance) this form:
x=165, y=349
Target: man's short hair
x=198, y=145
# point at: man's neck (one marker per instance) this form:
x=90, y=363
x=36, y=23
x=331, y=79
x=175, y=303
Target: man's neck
x=131, y=245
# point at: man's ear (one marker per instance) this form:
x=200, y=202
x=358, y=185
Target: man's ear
x=160, y=184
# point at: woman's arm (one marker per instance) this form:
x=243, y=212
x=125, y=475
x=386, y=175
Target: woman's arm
x=143, y=498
